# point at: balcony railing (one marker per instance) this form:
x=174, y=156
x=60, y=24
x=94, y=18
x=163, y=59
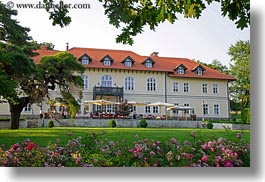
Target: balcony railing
x=108, y=91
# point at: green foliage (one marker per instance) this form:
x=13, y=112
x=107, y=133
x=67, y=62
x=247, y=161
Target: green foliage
x=72, y=104
x=217, y=65
x=112, y=123
x=209, y=125
x=131, y=16
x=245, y=115
x=240, y=69
x=143, y=123
x=50, y=124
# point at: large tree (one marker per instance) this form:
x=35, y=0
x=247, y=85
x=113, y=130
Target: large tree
x=132, y=15
x=240, y=69
x=22, y=81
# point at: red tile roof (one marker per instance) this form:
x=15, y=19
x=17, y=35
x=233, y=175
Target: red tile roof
x=163, y=64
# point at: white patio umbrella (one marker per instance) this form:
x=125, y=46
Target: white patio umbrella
x=161, y=104
x=100, y=102
x=137, y=103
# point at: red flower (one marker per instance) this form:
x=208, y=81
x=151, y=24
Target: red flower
x=204, y=158
x=30, y=145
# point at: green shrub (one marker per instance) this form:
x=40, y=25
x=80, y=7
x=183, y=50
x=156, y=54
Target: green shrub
x=143, y=123
x=112, y=123
x=209, y=125
x=245, y=115
x=50, y=123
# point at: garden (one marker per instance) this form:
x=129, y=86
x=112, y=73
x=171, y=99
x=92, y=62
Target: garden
x=124, y=147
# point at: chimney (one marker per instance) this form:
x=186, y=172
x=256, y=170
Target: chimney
x=154, y=54
x=67, y=46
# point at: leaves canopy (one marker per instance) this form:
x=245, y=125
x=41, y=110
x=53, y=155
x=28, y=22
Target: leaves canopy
x=240, y=69
x=132, y=15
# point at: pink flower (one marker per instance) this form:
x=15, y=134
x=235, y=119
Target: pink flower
x=15, y=146
x=173, y=140
x=152, y=153
x=228, y=163
x=239, y=135
x=204, y=158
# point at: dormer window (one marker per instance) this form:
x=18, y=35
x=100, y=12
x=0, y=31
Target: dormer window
x=85, y=59
x=128, y=62
x=198, y=70
x=180, y=69
x=107, y=61
x=148, y=63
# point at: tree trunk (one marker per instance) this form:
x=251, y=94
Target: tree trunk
x=15, y=110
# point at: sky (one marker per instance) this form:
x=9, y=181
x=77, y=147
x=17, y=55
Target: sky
x=204, y=39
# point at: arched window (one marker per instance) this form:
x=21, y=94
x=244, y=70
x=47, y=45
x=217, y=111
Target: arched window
x=85, y=79
x=151, y=84
x=129, y=83
x=106, y=81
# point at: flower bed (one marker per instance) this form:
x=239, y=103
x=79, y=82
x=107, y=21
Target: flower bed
x=92, y=152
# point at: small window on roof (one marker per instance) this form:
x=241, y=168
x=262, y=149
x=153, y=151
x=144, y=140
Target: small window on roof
x=199, y=71
x=148, y=64
x=85, y=60
x=180, y=70
x=128, y=63
x=106, y=62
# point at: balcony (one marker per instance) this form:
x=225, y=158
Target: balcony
x=108, y=91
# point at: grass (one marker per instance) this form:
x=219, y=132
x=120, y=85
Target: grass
x=43, y=136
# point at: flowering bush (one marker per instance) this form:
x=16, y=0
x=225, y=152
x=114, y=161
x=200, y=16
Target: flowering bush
x=92, y=152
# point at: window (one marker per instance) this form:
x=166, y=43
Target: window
x=129, y=83
x=106, y=62
x=85, y=60
x=215, y=88
x=187, y=105
x=199, y=71
x=151, y=84
x=128, y=63
x=205, y=109
x=85, y=80
x=106, y=81
x=204, y=88
x=155, y=109
x=186, y=87
x=147, y=109
x=216, y=109
x=148, y=64
x=27, y=108
x=175, y=87
x=180, y=70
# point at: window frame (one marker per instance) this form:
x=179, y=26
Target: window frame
x=129, y=83
x=151, y=85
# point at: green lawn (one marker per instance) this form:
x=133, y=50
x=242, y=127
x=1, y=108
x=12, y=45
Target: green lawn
x=42, y=136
